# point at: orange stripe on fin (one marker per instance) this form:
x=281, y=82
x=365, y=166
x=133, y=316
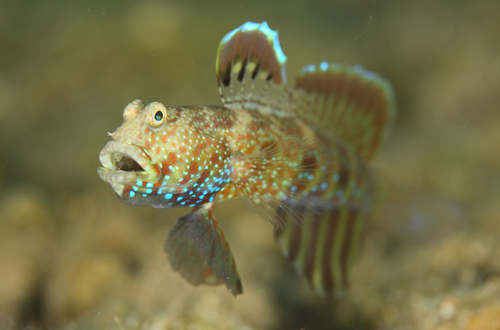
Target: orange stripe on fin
x=322, y=245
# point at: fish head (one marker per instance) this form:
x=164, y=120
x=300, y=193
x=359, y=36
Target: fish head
x=133, y=160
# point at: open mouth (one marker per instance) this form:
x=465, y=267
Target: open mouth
x=124, y=163
x=128, y=164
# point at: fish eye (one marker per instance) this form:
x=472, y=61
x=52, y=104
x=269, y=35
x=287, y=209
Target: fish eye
x=157, y=117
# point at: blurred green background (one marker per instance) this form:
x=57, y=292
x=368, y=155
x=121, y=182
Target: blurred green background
x=73, y=257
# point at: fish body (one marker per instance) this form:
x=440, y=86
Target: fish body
x=297, y=156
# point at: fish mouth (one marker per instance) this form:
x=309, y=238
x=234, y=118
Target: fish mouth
x=124, y=163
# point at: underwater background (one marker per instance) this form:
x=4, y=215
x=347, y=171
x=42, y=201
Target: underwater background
x=73, y=257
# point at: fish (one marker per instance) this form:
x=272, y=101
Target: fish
x=298, y=156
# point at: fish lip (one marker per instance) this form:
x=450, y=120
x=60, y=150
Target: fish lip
x=110, y=155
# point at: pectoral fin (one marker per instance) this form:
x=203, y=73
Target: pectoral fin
x=197, y=249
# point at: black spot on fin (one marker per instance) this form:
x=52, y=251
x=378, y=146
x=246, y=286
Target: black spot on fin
x=226, y=78
x=250, y=69
x=255, y=71
x=241, y=74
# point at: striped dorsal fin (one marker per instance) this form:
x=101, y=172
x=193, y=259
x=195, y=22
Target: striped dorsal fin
x=346, y=103
x=250, y=69
x=321, y=248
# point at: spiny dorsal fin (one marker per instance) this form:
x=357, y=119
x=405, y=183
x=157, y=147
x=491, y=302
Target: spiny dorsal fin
x=198, y=250
x=323, y=246
x=346, y=103
x=250, y=69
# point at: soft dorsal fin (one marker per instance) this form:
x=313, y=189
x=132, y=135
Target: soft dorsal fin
x=250, y=69
x=346, y=103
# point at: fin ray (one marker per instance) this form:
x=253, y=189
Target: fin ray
x=323, y=245
x=250, y=69
x=347, y=104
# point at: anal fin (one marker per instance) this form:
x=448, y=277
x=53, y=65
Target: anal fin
x=197, y=249
x=323, y=245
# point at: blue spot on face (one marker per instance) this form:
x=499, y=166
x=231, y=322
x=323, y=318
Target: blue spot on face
x=168, y=196
x=131, y=193
x=324, y=185
x=324, y=66
x=149, y=185
x=211, y=199
x=135, y=188
x=149, y=191
x=139, y=183
x=179, y=198
x=293, y=188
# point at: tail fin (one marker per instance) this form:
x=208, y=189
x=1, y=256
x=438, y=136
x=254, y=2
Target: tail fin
x=346, y=103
